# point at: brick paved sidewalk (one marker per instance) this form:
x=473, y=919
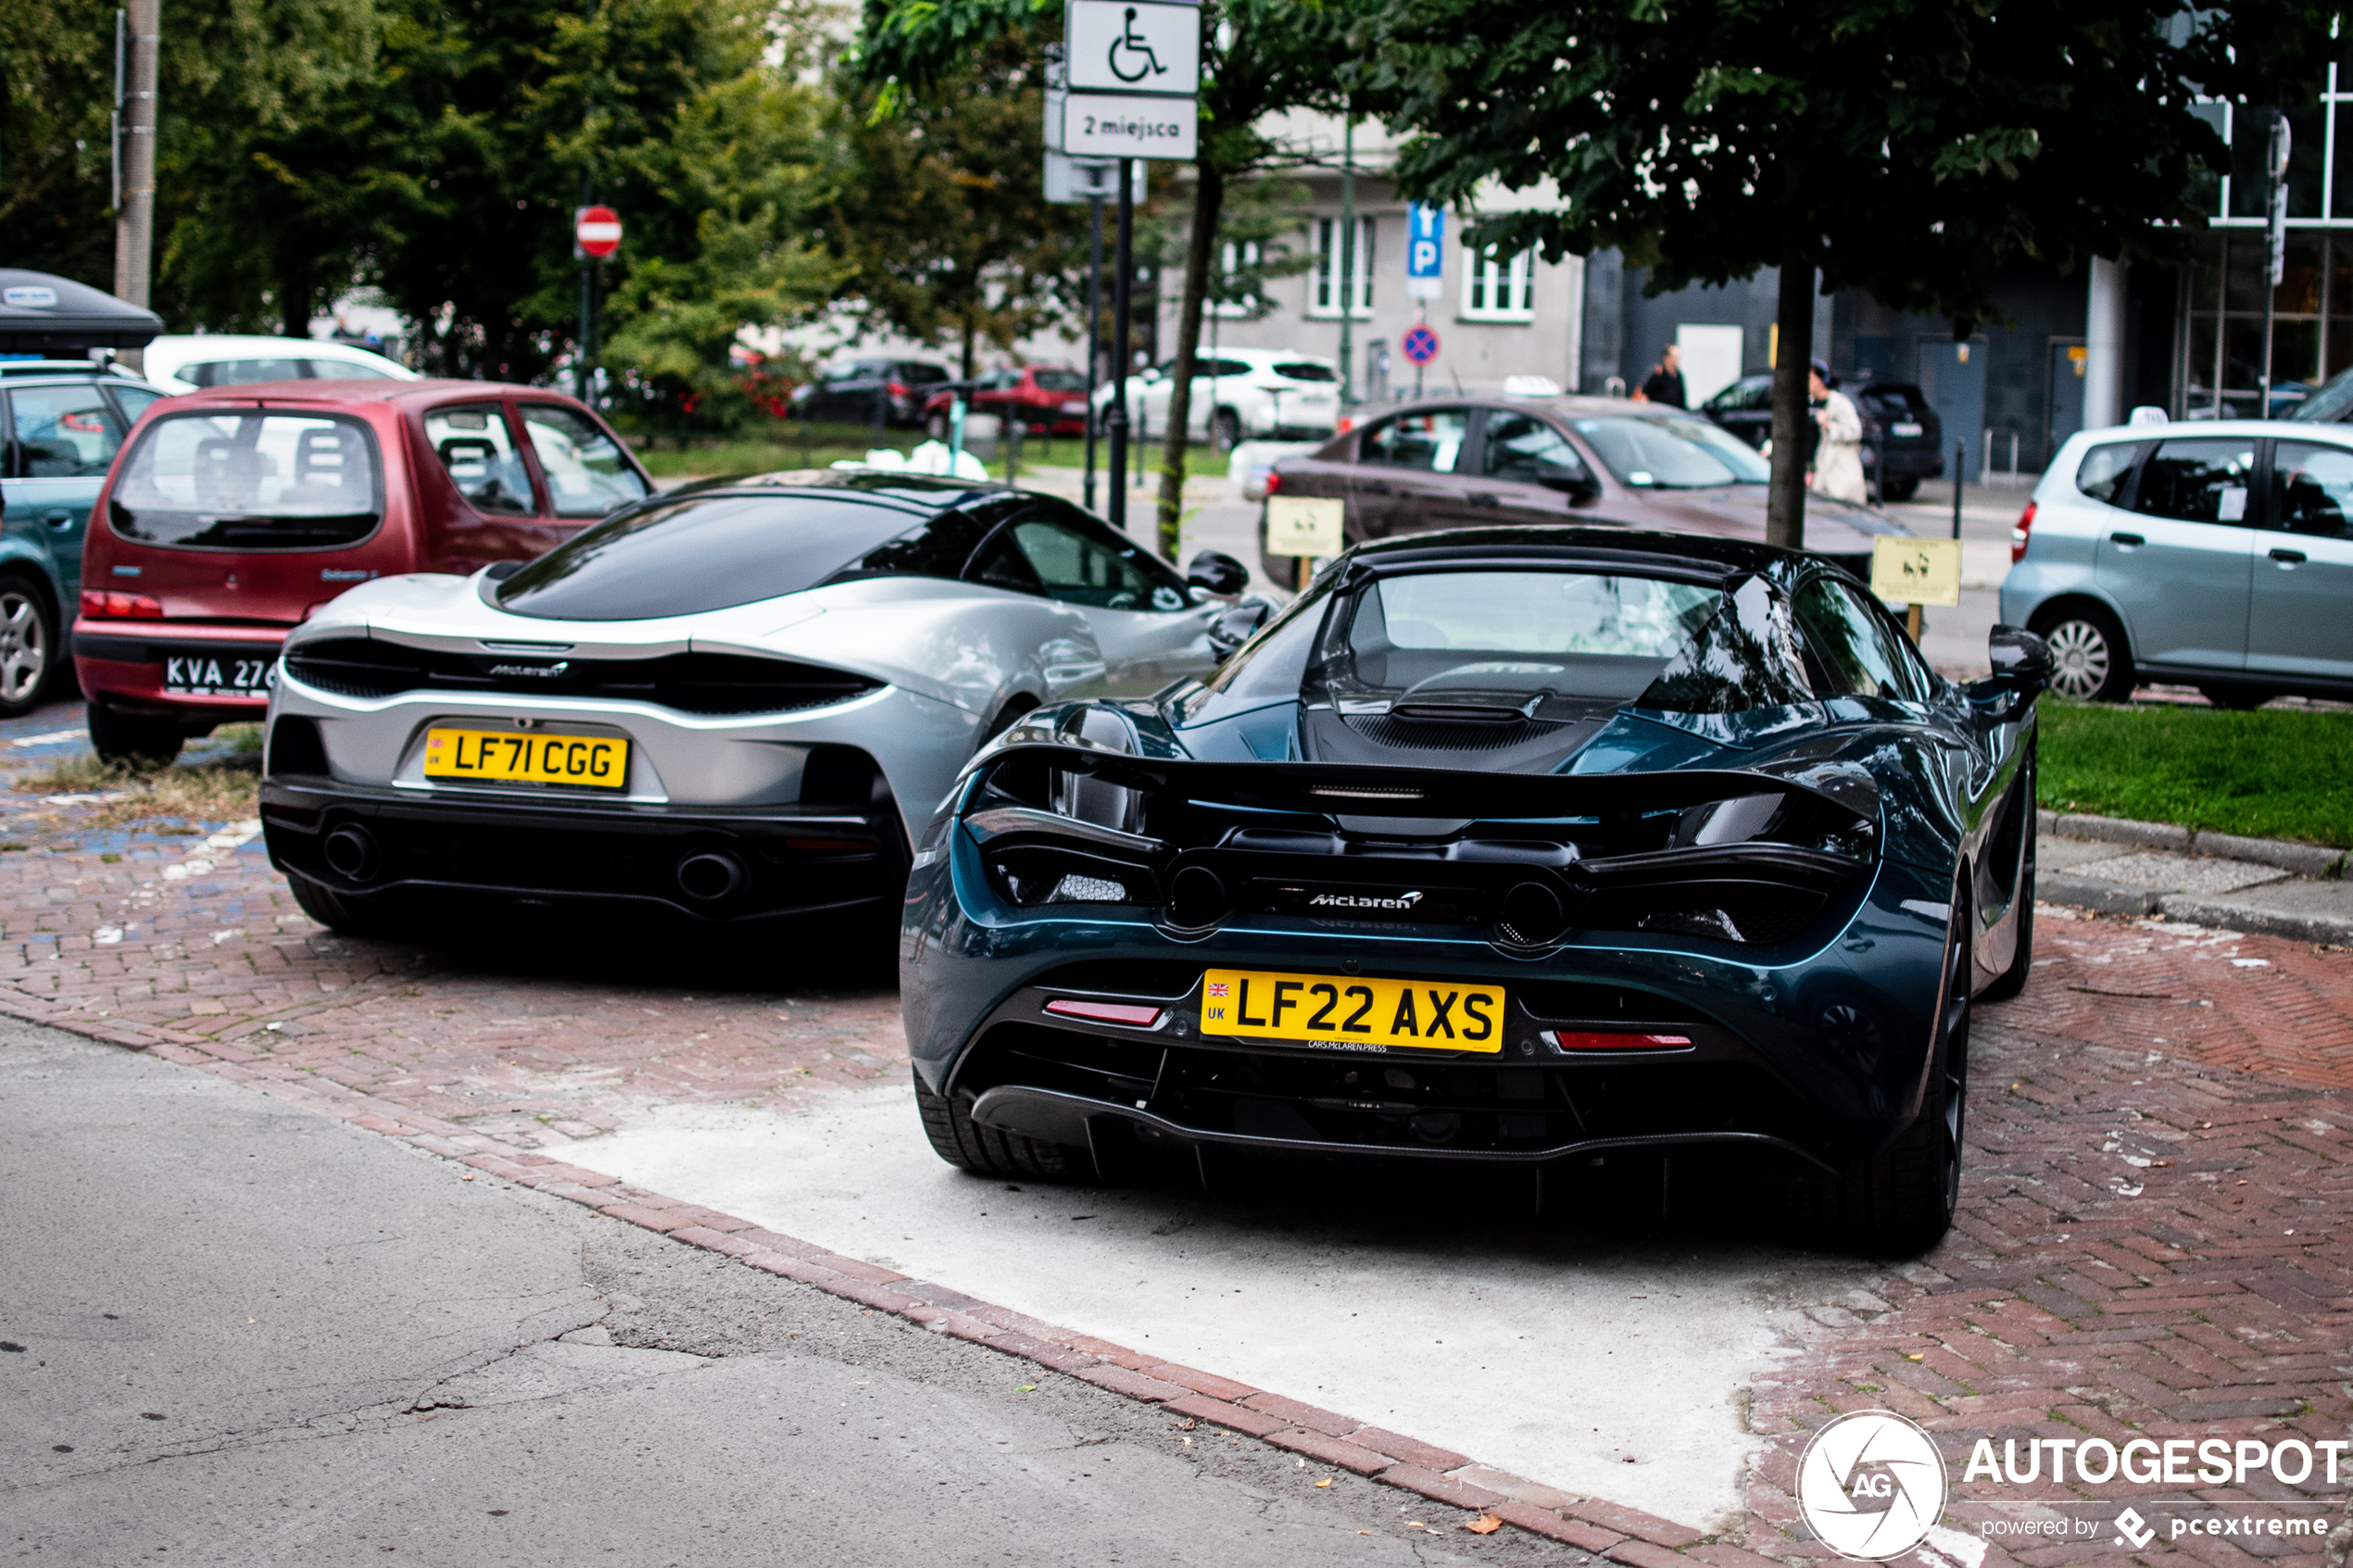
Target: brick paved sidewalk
x=2124, y=1264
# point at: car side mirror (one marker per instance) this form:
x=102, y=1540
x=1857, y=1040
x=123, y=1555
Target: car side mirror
x=2022, y=664
x=1236, y=626
x=1217, y=572
x=1580, y=488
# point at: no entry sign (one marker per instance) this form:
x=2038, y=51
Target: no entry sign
x=596, y=230
x=1420, y=345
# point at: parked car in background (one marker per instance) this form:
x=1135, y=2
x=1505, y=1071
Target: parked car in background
x=1238, y=393
x=194, y=361
x=848, y=393
x=63, y=421
x=1047, y=399
x=731, y=703
x=234, y=514
x=2218, y=554
x=1466, y=461
x=1903, y=439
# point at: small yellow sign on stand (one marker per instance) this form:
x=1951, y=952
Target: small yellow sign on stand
x=1304, y=525
x=1917, y=571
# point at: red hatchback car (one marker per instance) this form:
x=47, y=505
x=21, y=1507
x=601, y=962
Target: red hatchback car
x=1048, y=399
x=232, y=515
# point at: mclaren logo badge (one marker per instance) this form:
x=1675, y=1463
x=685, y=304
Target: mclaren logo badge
x=1361, y=901
x=533, y=671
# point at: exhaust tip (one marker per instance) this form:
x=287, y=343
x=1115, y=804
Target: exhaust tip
x=351, y=853
x=1532, y=915
x=1197, y=897
x=711, y=876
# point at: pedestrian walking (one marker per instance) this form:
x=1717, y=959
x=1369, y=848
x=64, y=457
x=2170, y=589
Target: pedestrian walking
x=1666, y=383
x=1838, y=453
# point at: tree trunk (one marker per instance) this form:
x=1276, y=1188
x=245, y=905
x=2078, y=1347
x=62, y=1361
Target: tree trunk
x=1209, y=196
x=1793, y=411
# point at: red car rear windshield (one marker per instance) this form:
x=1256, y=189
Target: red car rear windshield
x=250, y=481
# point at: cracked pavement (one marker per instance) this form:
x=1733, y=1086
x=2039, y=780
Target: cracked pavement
x=232, y=1332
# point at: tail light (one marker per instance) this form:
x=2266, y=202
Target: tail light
x=2019, y=532
x=120, y=606
x=1347, y=423
x=897, y=390
x=1274, y=481
x=1600, y=1040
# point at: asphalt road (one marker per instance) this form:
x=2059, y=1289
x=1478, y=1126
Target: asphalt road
x=233, y=1331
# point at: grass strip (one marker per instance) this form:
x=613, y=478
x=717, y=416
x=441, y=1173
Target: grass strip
x=213, y=788
x=2271, y=773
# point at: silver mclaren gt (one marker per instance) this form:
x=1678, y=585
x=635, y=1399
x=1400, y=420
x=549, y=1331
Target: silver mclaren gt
x=731, y=702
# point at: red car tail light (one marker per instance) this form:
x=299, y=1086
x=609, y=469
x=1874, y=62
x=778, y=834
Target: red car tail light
x=1603, y=1040
x=1274, y=481
x=2019, y=532
x=1104, y=1012
x=120, y=606
x=1347, y=423
x=897, y=390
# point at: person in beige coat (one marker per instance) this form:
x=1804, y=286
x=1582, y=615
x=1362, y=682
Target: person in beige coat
x=1838, y=459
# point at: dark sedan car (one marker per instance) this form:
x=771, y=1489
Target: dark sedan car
x=1903, y=440
x=851, y=393
x=1552, y=848
x=1466, y=462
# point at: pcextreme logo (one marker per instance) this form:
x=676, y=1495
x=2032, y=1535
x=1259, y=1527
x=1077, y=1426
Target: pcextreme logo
x=1871, y=1484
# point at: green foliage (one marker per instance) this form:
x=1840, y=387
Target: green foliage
x=944, y=221
x=2271, y=773
x=57, y=85
x=1908, y=147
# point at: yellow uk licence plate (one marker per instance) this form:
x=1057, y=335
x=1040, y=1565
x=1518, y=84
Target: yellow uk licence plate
x=1343, y=1011
x=597, y=761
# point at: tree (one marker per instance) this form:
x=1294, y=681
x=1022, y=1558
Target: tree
x=1259, y=58
x=945, y=219
x=1911, y=148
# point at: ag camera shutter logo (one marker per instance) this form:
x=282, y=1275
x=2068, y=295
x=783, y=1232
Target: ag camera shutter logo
x=1871, y=1484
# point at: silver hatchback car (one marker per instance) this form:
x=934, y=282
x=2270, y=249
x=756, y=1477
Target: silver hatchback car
x=2217, y=555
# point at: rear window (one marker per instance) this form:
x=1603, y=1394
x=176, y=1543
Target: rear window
x=250, y=481
x=922, y=375
x=1895, y=402
x=1059, y=381
x=701, y=553
x=1303, y=370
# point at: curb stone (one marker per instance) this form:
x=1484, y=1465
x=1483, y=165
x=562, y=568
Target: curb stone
x=2316, y=860
x=1630, y=1536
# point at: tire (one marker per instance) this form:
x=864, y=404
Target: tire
x=121, y=737
x=1224, y=430
x=2090, y=660
x=1899, y=489
x=336, y=912
x=2238, y=699
x=986, y=1151
x=1899, y=1202
x=29, y=649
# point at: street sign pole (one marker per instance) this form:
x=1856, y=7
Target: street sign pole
x=1094, y=329
x=1347, y=259
x=1124, y=265
x=595, y=234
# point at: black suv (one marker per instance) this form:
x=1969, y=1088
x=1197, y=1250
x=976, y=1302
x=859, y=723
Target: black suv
x=850, y=394
x=1903, y=443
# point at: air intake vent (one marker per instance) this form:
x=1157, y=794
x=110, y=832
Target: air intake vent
x=1479, y=733
x=692, y=682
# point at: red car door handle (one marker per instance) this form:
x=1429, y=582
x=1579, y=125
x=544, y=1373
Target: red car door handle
x=2288, y=557
x=2128, y=539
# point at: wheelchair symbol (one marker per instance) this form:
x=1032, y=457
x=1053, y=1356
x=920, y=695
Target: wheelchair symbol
x=1129, y=41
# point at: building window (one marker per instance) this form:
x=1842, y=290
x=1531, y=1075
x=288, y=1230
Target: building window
x=1326, y=288
x=1498, y=290
x=1233, y=294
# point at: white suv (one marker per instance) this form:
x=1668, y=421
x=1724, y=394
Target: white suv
x=1240, y=393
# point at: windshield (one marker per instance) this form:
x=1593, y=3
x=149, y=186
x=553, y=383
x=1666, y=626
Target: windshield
x=1305, y=369
x=1462, y=642
x=2332, y=403
x=249, y=482
x=703, y=553
x=1671, y=453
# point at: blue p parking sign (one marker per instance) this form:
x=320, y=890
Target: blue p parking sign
x=1425, y=251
